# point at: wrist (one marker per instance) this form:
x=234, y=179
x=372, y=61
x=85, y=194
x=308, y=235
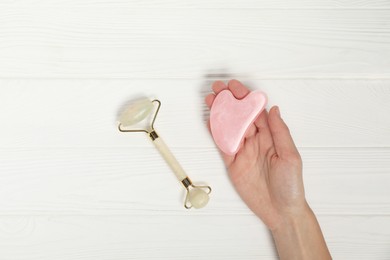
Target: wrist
x=299, y=236
x=293, y=219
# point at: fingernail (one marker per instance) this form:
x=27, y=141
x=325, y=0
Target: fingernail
x=277, y=111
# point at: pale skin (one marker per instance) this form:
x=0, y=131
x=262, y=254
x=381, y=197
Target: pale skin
x=267, y=174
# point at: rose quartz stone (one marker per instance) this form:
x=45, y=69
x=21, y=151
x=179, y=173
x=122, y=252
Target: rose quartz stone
x=230, y=118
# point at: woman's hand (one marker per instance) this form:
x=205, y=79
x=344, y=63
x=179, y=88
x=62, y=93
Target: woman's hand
x=267, y=170
x=267, y=173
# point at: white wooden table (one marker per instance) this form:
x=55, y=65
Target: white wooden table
x=73, y=187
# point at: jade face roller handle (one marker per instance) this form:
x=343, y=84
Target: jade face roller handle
x=169, y=158
x=197, y=196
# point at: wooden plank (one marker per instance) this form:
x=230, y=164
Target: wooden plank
x=134, y=181
x=82, y=113
x=113, y=41
x=357, y=237
x=216, y=4
x=176, y=237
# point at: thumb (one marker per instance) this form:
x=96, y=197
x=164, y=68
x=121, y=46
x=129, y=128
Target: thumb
x=284, y=144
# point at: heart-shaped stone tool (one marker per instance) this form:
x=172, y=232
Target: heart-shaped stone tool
x=230, y=118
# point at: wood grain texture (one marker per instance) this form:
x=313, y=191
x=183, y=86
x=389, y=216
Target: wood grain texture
x=176, y=237
x=73, y=187
x=134, y=237
x=82, y=113
x=136, y=181
x=202, y=4
x=114, y=41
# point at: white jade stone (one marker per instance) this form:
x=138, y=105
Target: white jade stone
x=198, y=198
x=136, y=112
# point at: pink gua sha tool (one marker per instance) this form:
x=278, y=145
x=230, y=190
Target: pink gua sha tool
x=230, y=118
x=197, y=196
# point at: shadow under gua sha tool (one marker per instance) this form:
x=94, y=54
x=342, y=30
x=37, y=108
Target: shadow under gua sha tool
x=196, y=196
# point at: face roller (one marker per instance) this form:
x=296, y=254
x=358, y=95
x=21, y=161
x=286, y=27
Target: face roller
x=196, y=196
